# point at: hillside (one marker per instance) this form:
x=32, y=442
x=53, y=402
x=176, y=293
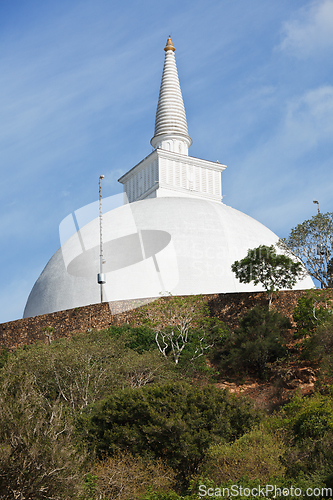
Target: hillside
x=111, y=413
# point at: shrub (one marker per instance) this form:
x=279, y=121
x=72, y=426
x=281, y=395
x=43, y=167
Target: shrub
x=311, y=310
x=77, y=371
x=4, y=356
x=255, y=455
x=182, y=324
x=124, y=477
x=308, y=423
x=38, y=454
x=174, y=422
x=257, y=341
x=319, y=349
x=88, y=367
x=140, y=339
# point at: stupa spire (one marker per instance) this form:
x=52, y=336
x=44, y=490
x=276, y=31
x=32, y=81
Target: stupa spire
x=170, y=124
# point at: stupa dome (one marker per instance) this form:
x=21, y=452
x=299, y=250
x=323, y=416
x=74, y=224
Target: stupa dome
x=179, y=245
x=174, y=236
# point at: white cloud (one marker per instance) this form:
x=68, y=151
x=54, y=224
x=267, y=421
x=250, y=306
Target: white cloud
x=311, y=32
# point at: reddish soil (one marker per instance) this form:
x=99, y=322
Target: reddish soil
x=270, y=395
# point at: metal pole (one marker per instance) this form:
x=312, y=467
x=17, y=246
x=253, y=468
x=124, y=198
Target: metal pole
x=316, y=202
x=100, y=277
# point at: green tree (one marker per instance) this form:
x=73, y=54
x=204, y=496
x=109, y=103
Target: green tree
x=262, y=265
x=311, y=310
x=312, y=243
x=257, y=341
x=174, y=422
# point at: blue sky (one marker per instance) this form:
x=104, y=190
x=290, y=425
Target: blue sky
x=79, y=84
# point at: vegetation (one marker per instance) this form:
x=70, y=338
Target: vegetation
x=312, y=309
x=319, y=350
x=108, y=415
x=262, y=265
x=126, y=477
x=258, y=341
x=38, y=454
x=256, y=454
x=182, y=324
x=312, y=242
x=174, y=422
x=308, y=427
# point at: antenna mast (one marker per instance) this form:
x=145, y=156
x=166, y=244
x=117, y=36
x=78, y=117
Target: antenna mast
x=101, y=276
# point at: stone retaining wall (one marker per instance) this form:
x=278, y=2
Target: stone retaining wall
x=227, y=306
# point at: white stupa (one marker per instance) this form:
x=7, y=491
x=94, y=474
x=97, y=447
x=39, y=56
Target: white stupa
x=173, y=236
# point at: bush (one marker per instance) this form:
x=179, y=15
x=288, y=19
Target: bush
x=124, y=477
x=319, y=349
x=77, y=371
x=88, y=367
x=308, y=424
x=38, y=454
x=322, y=346
x=139, y=339
x=251, y=488
x=182, y=324
x=168, y=495
x=173, y=422
x=311, y=310
x=4, y=356
x=257, y=341
x=256, y=454
x=309, y=418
